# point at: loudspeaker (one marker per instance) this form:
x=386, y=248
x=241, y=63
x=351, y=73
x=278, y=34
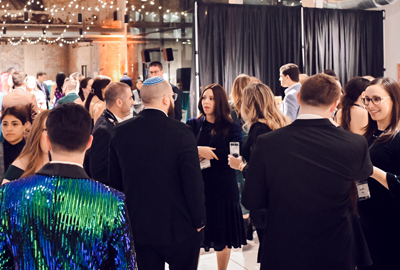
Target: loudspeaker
x=145, y=56
x=115, y=15
x=44, y=31
x=126, y=18
x=81, y=31
x=79, y=17
x=4, y=30
x=168, y=55
x=26, y=19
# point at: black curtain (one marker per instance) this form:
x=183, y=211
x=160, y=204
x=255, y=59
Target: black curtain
x=350, y=42
x=255, y=40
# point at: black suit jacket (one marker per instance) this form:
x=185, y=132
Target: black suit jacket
x=154, y=161
x=177, y=103
x=47, y=93
x=98, y=154
x=304, y=174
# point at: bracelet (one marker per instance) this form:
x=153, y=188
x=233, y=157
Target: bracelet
x=241, y=166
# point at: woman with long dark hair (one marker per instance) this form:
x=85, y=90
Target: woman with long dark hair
x=85, y=87
x=214, y=130
x=56, y=90
x=352, y=115
x=379, y=211
x=261, y=115
x=13, y=124
x=94, y=103
x=35, y=153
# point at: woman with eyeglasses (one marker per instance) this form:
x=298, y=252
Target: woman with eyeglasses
x=35, y=153
x=214, y=130
x=379, y=210
x=352, y=115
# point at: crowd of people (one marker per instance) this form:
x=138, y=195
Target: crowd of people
x=317, y=175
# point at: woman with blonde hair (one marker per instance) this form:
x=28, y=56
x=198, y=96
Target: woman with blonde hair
x=35, y=153
x=239, y=84
x=261, y=115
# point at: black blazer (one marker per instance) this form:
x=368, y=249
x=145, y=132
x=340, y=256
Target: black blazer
x=154, y=161
x=303, y=175
x=47, y=93
x=177, y=103
x=98, y=153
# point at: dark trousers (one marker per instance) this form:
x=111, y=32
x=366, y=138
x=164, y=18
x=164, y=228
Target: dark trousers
x=180, y=256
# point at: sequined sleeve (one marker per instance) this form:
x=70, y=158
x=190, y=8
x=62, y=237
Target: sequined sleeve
x=6, y=260
x=122, y=238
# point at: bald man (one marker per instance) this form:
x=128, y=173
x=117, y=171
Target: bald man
x=154, y=161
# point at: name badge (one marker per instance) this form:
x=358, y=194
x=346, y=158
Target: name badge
x=363, y=191
x=205, y=163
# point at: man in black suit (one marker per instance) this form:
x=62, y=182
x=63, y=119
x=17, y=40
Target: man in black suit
x=40, y=78
x=118, y=98
x=156, y=70
x=304, y=175
x=154, y=161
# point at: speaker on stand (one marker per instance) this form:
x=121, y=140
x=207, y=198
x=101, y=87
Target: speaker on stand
x=168, y=57
x=145, y=60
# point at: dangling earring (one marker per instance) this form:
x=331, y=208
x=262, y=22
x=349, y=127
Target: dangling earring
x=92, y=91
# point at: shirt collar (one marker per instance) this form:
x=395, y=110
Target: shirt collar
x=20, y=88
x=290, y=88
x=309, y=116
x=151, y=108
x=66, y=162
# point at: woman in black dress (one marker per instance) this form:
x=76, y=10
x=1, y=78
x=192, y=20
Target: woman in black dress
x=214, y=131
x=13, y=125
x=380, y=213
x=352, y=115
x=261, y=115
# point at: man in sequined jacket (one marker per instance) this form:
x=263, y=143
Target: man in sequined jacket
x=59, y=218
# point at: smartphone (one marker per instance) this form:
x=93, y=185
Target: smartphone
x=234, y=148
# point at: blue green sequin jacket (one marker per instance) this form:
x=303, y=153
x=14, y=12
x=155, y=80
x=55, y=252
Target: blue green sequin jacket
x=54, y=222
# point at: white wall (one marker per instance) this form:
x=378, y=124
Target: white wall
x=392, y=39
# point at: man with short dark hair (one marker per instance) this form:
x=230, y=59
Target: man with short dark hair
x=154, y=161
x=156, y=70
x=289, y=77
x=118, y=98
x=126, y=79
x=40, y=78
x=304, y=175
x=59, y=218
x=20, y=98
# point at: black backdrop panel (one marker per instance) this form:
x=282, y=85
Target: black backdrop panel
x=255, y=40
x=348, y=41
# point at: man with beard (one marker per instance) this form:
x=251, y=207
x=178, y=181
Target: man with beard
x=154, y=161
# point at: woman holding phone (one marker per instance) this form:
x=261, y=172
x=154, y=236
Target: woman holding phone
x=214, y=130
x=261, y=115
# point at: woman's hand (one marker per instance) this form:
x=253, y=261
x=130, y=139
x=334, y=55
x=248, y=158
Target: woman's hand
x=206, y=152
x=235, y=162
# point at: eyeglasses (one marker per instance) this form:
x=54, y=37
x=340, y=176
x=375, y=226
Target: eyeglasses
x=174, y=96
x=375, y=100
